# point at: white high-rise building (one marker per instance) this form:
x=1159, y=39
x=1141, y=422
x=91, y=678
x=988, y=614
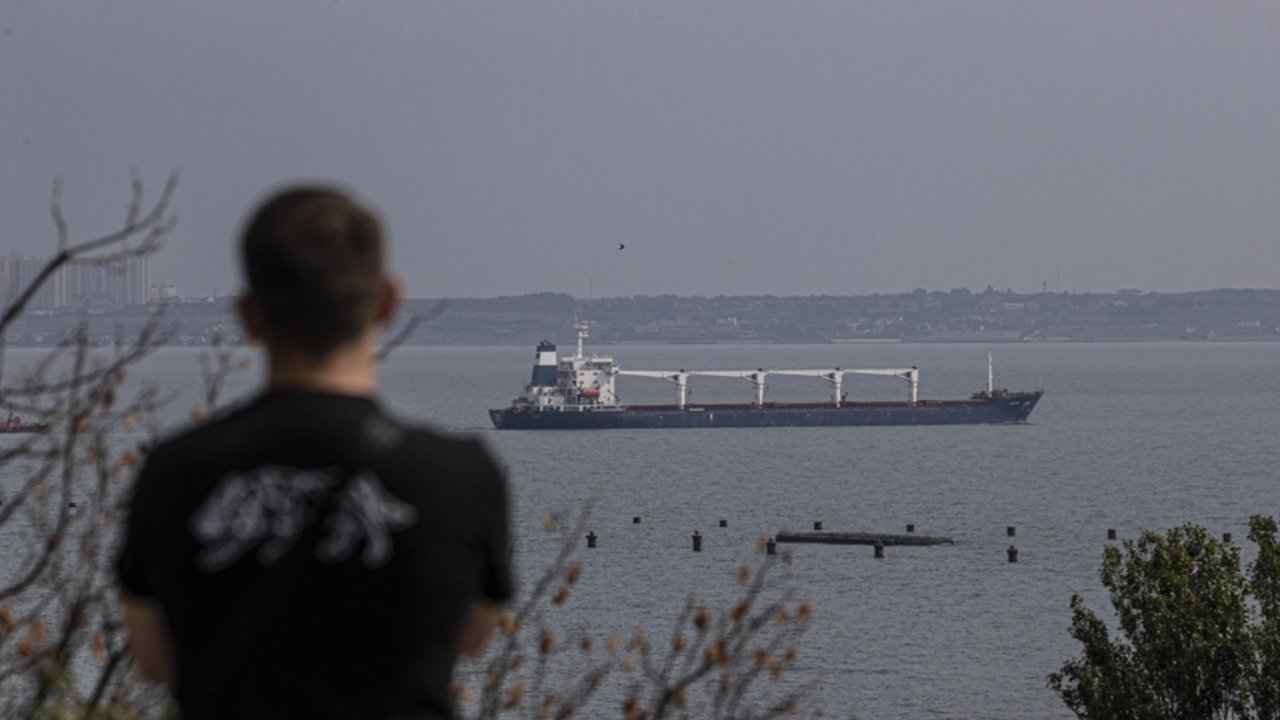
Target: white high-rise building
x=5, y=285
x=22, y=271
x=120, y=282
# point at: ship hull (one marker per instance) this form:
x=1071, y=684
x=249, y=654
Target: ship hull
x=1011, y=408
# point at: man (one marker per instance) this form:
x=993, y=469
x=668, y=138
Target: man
x=307, y=556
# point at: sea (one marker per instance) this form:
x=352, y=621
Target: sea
x=1127, y=437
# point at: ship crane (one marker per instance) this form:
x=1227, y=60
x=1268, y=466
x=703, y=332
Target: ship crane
x=911, y=375
x=756, y=377
x=679, y=378
x=836, y=377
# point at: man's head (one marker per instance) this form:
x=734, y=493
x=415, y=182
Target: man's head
x=313, y=261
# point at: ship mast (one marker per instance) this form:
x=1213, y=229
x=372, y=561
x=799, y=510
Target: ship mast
x=581, y=327
x=990, y=374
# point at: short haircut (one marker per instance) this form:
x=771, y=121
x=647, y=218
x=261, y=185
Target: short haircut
x=313, y=260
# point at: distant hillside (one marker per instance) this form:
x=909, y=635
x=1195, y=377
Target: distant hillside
x=919, y=316
x=956, y=316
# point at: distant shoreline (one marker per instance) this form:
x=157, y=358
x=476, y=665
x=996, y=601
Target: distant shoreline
x=722, y=343
x=959, y=316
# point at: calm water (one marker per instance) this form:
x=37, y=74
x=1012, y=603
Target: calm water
x=1127, y=437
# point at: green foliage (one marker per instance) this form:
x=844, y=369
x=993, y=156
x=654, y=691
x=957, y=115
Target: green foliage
x=1195, y=637
x=1264, y=586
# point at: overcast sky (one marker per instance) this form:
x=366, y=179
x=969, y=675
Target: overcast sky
x=735, y=147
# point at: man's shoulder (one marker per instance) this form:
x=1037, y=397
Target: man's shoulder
x=192, y=438
x=255, y=432
x=444, y=446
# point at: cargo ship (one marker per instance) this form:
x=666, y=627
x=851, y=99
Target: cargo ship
x=578, y=393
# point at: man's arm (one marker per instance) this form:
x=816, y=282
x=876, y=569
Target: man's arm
x=492, y=524
x=148, y=638
x=482, y=617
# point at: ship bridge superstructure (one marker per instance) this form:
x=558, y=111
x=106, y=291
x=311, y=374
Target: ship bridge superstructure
x=578, y=380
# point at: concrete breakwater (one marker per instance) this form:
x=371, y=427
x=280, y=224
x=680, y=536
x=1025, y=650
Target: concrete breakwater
x=841, y=538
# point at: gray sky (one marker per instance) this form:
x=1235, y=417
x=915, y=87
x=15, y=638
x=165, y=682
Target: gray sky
x=735, y=147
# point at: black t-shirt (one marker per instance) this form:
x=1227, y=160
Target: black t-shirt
x=315, y=558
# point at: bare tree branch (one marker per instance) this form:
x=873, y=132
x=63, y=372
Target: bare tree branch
x=61, y=489
x=410, y=326
x=153, y=227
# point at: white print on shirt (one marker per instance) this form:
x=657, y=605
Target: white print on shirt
x=364, y=510
x=268, y=507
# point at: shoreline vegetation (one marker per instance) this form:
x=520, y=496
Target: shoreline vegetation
x=956, y=316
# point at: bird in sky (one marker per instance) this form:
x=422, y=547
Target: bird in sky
x=621, y=246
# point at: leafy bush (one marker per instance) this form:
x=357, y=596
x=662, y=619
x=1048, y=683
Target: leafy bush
x=1195, y=637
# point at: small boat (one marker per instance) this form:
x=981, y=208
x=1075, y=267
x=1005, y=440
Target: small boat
x=14, y=424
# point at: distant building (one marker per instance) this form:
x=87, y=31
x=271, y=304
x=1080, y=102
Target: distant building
x=163, y=292
x=21, y=272
x=119, y=282
x=128, y=281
